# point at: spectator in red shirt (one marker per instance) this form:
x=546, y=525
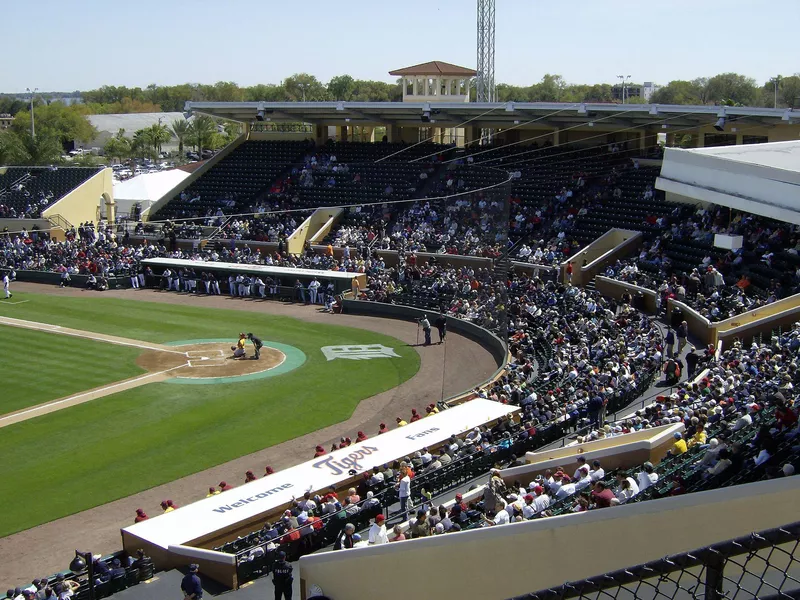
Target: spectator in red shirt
x=319, y=451
x=224, y=487
x=601, y=495
x=249, y=476
x=140, y=516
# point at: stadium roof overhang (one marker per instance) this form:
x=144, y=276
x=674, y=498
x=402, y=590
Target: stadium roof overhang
x=763, y=179
x=492, y=115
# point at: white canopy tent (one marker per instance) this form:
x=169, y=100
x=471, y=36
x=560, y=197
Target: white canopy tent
x=145, y=189
x=762, y=179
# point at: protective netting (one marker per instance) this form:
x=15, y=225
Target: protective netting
x=763, y=565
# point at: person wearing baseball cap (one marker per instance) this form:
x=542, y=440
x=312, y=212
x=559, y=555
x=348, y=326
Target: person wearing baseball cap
x=190, y=584
x=377, y=532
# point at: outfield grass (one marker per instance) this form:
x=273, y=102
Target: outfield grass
x=37, y=367
x=127, y=442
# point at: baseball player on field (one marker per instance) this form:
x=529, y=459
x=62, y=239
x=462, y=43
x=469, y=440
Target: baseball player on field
x=238, y=349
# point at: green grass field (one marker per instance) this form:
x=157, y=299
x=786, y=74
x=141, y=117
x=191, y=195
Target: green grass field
x=127, y=442
x=38, y=368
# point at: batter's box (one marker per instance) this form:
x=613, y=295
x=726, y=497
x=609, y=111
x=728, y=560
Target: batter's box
x=208, y=362
x=204, y=353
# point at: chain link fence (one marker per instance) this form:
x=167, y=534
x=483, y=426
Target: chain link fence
x=763, y=565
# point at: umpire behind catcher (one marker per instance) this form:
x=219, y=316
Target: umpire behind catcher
x=257, y=344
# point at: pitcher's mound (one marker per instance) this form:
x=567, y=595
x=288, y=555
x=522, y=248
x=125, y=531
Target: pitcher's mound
x=209, y=360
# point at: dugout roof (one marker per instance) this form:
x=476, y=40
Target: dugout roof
x=224, y=511
x=491, y=114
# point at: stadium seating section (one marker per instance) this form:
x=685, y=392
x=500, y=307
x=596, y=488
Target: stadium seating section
x=27, y=191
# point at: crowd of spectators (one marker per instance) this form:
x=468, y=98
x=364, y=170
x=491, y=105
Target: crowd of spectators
x=681, y=262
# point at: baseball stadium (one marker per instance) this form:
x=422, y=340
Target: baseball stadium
x=469, y=342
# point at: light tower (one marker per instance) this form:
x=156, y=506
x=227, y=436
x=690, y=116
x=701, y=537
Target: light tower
x=486, y=91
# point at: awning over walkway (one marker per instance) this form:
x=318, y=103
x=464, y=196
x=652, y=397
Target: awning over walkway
x=762, y=179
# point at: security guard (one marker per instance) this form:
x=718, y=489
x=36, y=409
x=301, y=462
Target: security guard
x=282, y=577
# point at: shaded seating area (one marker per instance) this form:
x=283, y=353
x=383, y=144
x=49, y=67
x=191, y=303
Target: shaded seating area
x=27, y=191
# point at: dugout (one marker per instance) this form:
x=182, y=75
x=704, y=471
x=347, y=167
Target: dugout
x=190, y=533
x=286, y=276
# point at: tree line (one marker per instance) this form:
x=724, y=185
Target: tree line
x=58, y=124
x=725, y=88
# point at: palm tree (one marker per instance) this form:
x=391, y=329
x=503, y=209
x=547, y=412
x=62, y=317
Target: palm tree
x=141, y=144
x=201, y=131
x=180, y=129
x=158, y=135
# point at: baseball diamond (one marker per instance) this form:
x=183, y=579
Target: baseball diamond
x=284, y=401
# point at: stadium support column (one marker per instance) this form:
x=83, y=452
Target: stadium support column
x=471, y=135
x=556, y=137
x=320, y=134
x=393, y=134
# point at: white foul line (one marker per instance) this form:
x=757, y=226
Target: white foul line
x=97, y=337
x=102, y=390
x=17, y=302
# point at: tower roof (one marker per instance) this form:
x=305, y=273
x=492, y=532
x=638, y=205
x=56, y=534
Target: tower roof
x=435, y=67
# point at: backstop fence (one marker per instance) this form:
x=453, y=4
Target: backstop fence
x=762, y=565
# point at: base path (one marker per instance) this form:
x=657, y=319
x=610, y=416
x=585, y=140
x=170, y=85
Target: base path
x=207, y=361
x=45, y=549
x=88, y=335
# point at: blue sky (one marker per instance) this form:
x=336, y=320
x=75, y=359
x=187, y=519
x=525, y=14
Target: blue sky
x=64, y=46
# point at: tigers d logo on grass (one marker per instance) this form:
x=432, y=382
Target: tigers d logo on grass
x=359, y=352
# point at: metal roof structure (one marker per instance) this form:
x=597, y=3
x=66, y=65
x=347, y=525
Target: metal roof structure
x=494, y=114
x=763, y=179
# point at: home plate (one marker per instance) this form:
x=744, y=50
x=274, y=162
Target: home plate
x=209, y=362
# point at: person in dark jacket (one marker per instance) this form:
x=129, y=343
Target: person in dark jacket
x=441, y=326
x=257, y=344
x=190, y=584
x=692, y=358
x=282, y=578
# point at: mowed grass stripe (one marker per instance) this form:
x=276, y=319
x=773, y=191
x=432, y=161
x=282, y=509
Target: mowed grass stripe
x=137, y=439
x=38, y=367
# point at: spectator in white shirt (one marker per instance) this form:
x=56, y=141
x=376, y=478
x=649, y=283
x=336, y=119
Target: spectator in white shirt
x=597, y=473
x=377, y=532
x=646, y=477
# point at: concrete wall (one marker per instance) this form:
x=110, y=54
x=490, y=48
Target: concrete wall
x=612, y=288
x=761, y=320
x=608, y=248
x=309, y=228
x=699, y=326
x=394, y=311
x=82, y=203
x=500, y=562
x=752, y=316
x=620, y=452
x=16, y=225
x=763, y=327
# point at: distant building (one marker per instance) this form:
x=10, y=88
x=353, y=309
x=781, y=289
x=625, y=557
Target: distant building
x=435, y=81
x=635, y=90
x=648, y=89
x=6, y=120
x=108, y=126
x=631, y=90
